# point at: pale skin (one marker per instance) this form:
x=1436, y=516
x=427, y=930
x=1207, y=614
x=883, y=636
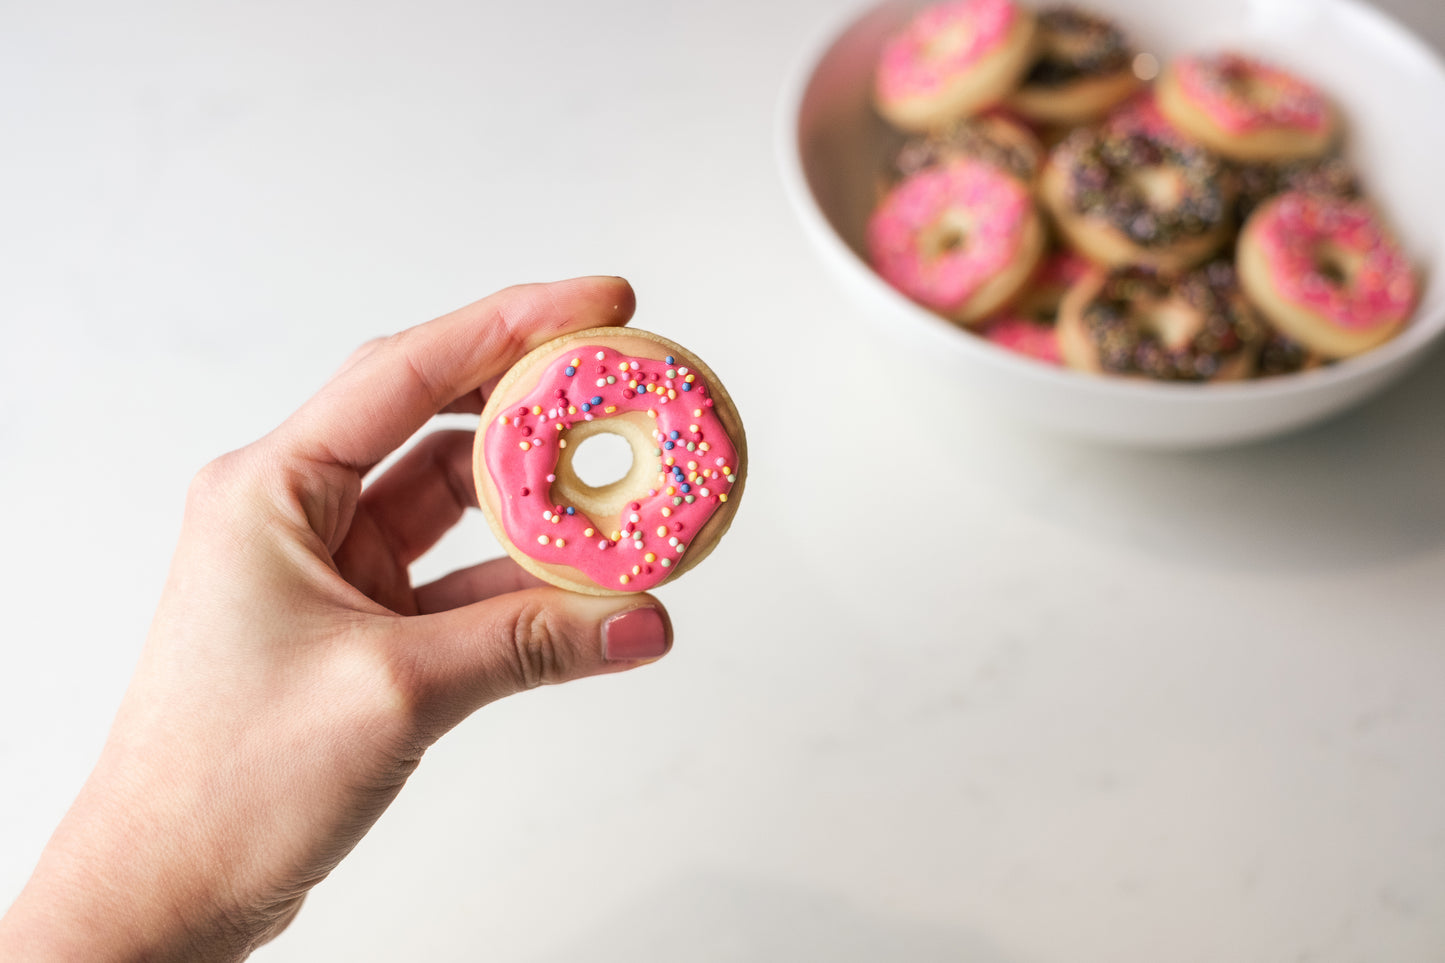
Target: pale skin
x=293, y=676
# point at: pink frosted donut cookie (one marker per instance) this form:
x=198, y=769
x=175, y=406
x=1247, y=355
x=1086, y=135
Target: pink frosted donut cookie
x=689, y=459
x=1028, y=326
x=951, y=60
x=1326, y=272
x=1246, y=110
x=960, y=238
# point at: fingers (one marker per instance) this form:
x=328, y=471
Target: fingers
x=388, y=390
x=454, y=662
x=424, y=494
x=474, y=584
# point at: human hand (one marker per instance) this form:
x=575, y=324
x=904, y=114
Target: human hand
x=293, y=676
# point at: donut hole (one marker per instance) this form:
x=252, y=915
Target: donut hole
x=1162, y=186
x=947, y=235
x=605, y=465
x=1173, y=321
x=602, y=459
x=1336, y=264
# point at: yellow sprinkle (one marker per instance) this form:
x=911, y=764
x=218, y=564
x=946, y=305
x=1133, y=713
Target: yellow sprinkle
x=561, y=442
x=670, y=461
x=536, y=409
x=610, y=409
x=571, y=409
x=689, y=378
x=560, y=543
x=623, y=579
x=576, y=362
x=692, y=466
x=671, y=490
x=556, y=519
x=703, y=446
x=502, y=420
x=692, y=427
x=525, y=446
x=652, y=412
x=661, y=531
x=726, y=470
x=649, y=557
x=697, y=412
x=666, y=512
x=637, y=570
x=589, y=532
x=671, y=394
x=722, y=496
x=616, y=536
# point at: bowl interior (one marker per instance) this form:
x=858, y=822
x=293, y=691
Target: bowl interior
x=1389, y=86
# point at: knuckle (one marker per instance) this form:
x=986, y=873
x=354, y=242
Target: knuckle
x=540, y=653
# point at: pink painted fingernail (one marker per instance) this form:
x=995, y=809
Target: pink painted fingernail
x=635, y=634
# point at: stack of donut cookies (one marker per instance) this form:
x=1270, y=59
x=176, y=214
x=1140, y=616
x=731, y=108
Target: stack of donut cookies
x=1048, y=196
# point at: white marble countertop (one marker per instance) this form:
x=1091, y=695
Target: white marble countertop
x=1110, y=706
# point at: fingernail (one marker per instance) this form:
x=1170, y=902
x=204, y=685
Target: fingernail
x=635, y=634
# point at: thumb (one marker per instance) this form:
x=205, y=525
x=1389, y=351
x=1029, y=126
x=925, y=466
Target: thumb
x=457, y=661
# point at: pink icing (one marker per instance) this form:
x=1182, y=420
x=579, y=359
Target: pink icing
x=1015, y=328
x=522, y=452
x=1141, y=114
x=940, y=43
x=1277, y=99
x=1035, y=339
x=1291, y=232
x=990, y=202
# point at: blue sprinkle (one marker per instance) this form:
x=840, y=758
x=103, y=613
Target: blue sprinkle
x=668, y=359
x=686, y=488
x=571, y=371
x=673, y=435
x=586, y=406
x=571, y=510
x=597, y=399
x=687, y=386
x=669, y=445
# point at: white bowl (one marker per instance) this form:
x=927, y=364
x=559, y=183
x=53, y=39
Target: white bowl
x=1391, y=88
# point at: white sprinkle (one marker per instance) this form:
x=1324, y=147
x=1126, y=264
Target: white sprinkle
x=541, y=539
x=672, y=541
x=551, y=478
x=633, y=517
x=547, y=515
x=602, y=382
x=600, y=356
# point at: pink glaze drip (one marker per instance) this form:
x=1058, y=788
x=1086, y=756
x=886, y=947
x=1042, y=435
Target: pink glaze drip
x=993, y=205
x=1213, y=85
x=940, y=43
x=522, y=452
x=1293, y=230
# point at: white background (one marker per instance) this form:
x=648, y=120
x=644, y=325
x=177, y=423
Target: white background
x=950, y=690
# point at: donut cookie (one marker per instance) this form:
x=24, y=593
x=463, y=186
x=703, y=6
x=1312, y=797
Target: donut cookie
x=952, y=60
x=1135, y=198
x=1326, y=272
x=1134, y=322
x=1245, y=109
x=1083, y=69
x=689, y=461
x=961, y=238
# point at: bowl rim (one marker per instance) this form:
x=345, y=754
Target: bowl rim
x=1409, y=345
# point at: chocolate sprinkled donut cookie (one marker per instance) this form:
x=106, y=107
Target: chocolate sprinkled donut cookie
x=1195, y=326
x=993, y=138
x=1084, y=67
x=1134, y=197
